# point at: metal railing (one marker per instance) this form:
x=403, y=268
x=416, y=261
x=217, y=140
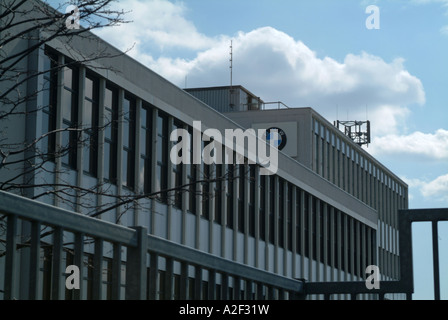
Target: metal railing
x=280, y=105
x=154, y=268
x=405, y=285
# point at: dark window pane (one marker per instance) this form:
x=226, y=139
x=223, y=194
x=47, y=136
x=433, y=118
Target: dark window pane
x=107, y=155
x=87, y=116
x=143, y=135
x=108, y=98
x=126, y=136
x=67, y=105
x=87, y=160
x=45, y=127
x=124, y=168
x=68, y=77
x=66, y=146
x=46, y=93
x=141, y=172
x=143, y=117
x=89, y=87
x=158, y=178
x=126, y=106
x=111, y=127
x=108, y=123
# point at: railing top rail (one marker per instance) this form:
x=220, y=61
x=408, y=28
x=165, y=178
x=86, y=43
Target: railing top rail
x=421, y=215
x=208, y=261
x=31, y=210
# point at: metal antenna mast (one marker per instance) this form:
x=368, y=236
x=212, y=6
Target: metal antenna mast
x=231, y=76
x=231, y=64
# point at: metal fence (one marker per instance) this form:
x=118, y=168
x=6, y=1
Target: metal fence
x=404, y=285
x=38, y=241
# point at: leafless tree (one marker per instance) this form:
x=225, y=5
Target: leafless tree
x=36, y=24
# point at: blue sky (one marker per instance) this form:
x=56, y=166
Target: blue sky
x=320, y=54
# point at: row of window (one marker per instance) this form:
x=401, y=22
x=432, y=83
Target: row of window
x=225, y=194
x=343, y=165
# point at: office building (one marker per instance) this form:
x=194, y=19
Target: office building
x=328, y=212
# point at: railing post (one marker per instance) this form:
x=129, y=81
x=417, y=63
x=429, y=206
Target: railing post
x=79, y=262
x=98, y=270
x=168, y=290
x=197, y=282
x=153, y=275
x=211, y=285
x=136, y=267
x=116, y=272
x=58, y=288
x=435, y=255
x=10, y=267
x=183, y=281
x=34, y=260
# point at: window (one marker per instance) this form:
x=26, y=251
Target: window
x=306, y=230
x=191, y=177
x=218, y=193
x=252, y=172
x=145, y=148
x=49, y=106
x=230, y=169
x=337, y=240
x=90, y=125
x=298, y=220
x=321, y=230
x=177, y=171
x=206, y=190
x=329, y=235
x=272, y=196
x=281, y=213
x=128, y=161
x=241, y=199
x=110, y=134
x=289, y=207
x=343, y=243
x=356, y=248
x=349, y=243
x=162, y=156
x=70, y=117
x=262, y=223
x=314, y=226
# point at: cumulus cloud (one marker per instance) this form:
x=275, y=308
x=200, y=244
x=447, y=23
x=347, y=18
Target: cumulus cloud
x=434, y=190
x=158, y=23
x=281, y=68
x=271, y=64
x=419, y=144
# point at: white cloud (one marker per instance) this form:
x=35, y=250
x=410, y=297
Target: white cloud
x=155, y=22
x=271, y=64
x=434, y=190
x=418, y=144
